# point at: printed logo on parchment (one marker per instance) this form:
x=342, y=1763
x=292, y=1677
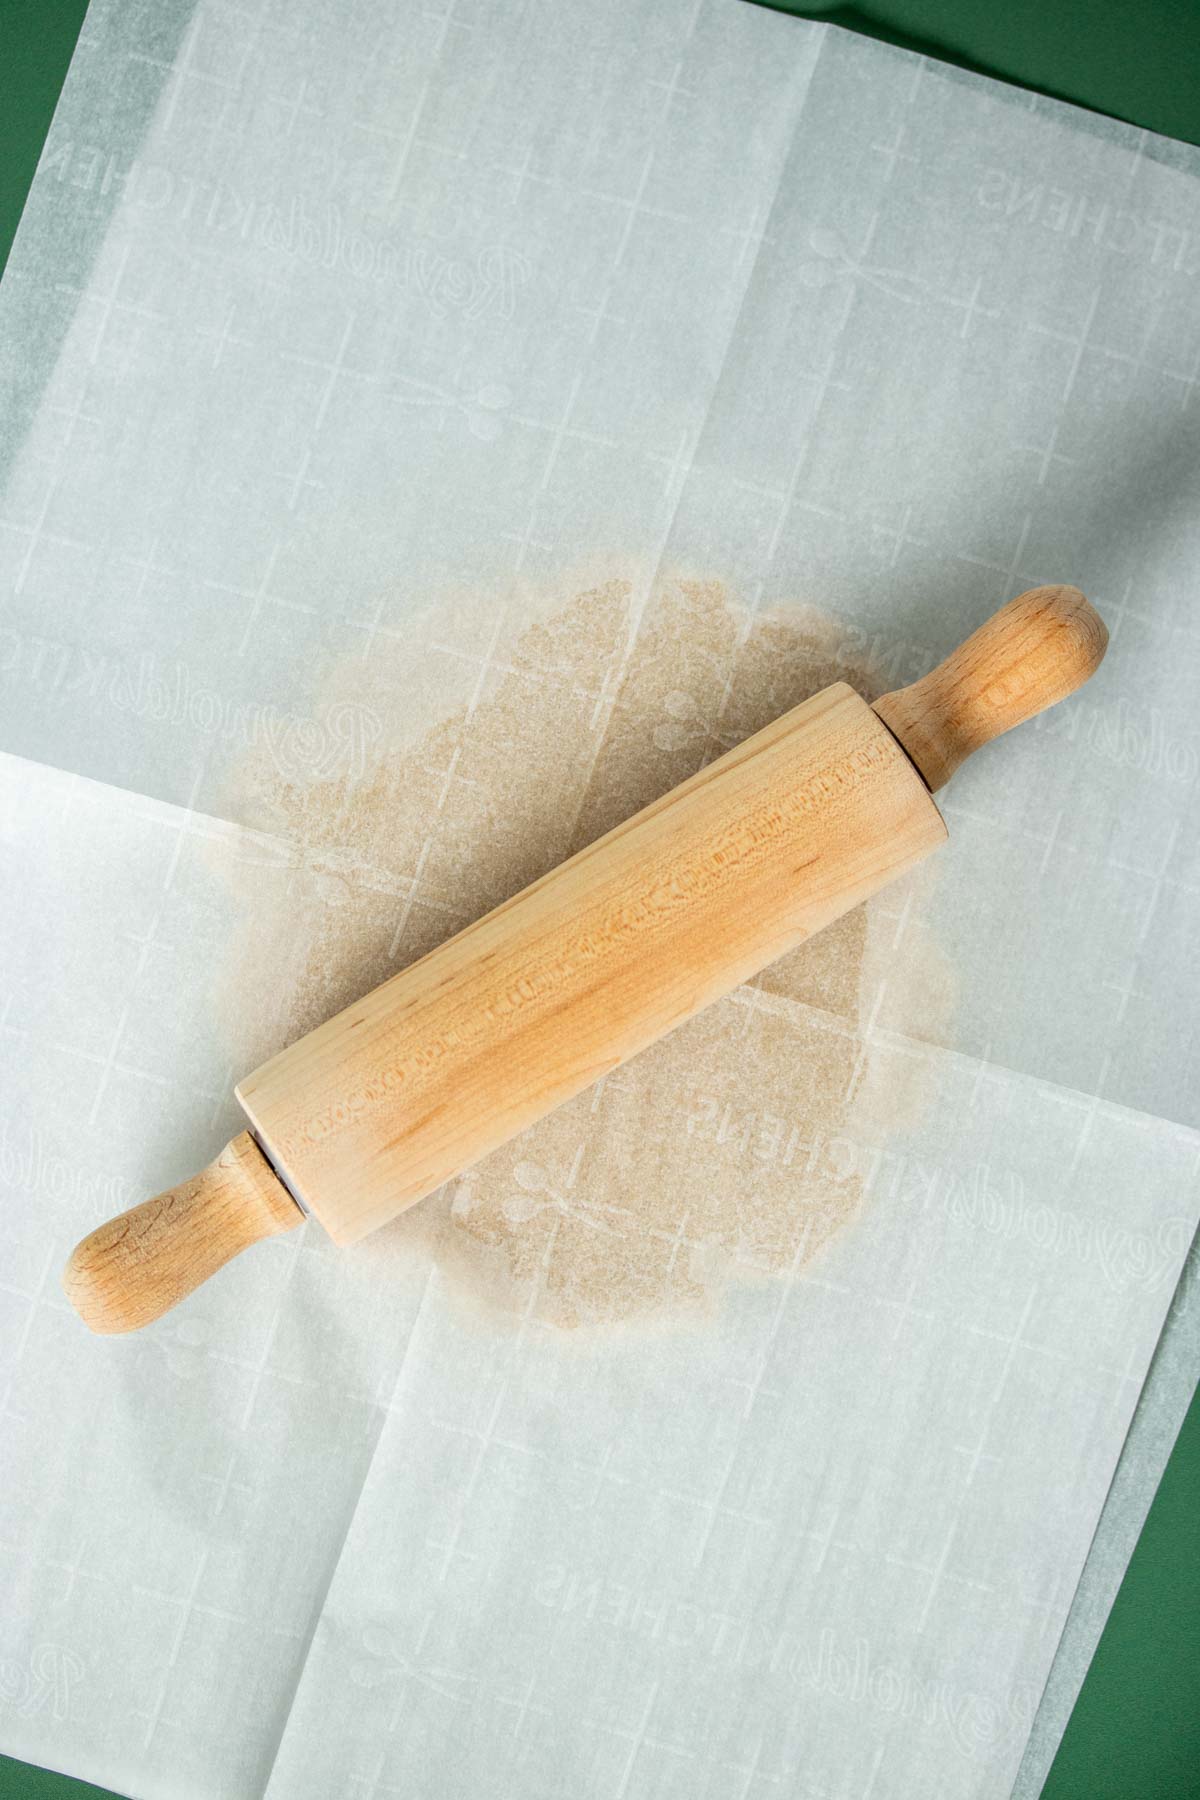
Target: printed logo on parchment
x=42, y=1684
x=475, y=281
x=997, y=1202
x=1068, y=214
x=30, y=1164
x=1129, y=736
x=335, y=743
x=850, y=1671
x=834, y=261
x=387, y=1662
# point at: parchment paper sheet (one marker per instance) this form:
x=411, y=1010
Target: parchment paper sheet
x=1160, y=1412
x=343, y=347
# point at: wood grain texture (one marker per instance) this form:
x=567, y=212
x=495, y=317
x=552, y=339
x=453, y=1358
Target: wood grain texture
x=1033, y=652
x=632, y=936
x=134, y=1268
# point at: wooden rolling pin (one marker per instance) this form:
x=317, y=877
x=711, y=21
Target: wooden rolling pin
x=464, y=1049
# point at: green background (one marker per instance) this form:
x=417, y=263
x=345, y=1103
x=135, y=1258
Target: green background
x=1135, y=1732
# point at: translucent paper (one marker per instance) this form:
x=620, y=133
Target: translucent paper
x=432, y=435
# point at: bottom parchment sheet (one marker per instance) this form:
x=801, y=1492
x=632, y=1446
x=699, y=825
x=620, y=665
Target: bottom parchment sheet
x=1161, y=1409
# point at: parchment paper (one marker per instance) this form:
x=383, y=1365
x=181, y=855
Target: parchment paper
x=433, y=432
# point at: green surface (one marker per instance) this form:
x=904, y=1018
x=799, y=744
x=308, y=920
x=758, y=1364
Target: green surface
x=1135, y=1733
x=18, y=1781
x=36, y=41
x=1136, y=61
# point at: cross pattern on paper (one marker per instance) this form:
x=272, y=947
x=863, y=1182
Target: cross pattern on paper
x=1014, y=1341
x=1158, y=877
x=37, y=534
x=110, y=305
x=485, y=1438
x=750, y=237
x=260, y=596
x=297, y=480
x=894, y=152
x=370, y=1784
x=1115, y=612
x=222, y=336
x=414, y=898
x=74, y=416
x=109, y=1063
x=183, y=69
x=524, y=173
x=601, y=1472
x=74, y=1570
x=33, y=1301
x=902, y=538
x=1131, y=1376
x=754, y=1388
x=145, y=567
x=939, y=1573
x=184, y=822
x=1186, y=379
x=334, y=369
x=1013, y=579
x=972, y=307
x=672, y=90
x=1077, y=342
x=186, y=1604
x=753, y=1773
x=903, y=1308
x=715, y=1507
x=408, y=137
x=224, y=1484
x=827, y=1540
x=976, y=1456
x=824, y=384
x=292, y=110
x=639, y=1740
x=523, y=1706
x=1048, y=454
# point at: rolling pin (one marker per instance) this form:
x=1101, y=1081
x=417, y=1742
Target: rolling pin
x=486, y=1034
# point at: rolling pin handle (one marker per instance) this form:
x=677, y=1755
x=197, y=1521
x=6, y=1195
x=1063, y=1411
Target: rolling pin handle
x=134, y=1268
x=1033, y=652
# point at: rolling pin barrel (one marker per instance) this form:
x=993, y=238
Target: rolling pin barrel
x=493, y=1029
